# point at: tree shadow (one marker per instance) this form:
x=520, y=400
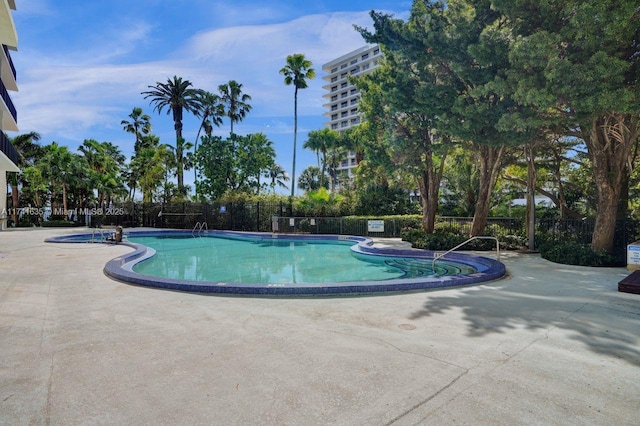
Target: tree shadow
x=541, y=295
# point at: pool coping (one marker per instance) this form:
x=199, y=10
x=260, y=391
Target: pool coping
x=120, y=268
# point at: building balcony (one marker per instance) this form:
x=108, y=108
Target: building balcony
x=11, y=69
x=8, y=152
x=8, y=33
x=8, y=112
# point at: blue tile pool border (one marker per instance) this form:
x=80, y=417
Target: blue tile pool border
x=120, y=268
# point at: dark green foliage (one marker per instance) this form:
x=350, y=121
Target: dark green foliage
x=572, y=253
x=60, y=223
x=378, y=199
x=447, y=237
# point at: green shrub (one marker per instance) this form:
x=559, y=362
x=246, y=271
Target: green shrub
x=59, y=223
x=446, y=239
x=572, y=253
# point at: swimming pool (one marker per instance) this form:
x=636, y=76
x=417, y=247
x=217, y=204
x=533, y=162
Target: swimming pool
x=279, y=264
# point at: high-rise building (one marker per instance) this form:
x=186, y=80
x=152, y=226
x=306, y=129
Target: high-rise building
x=8, y=114
x=343, y=97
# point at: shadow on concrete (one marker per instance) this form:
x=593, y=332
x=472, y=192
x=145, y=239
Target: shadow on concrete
x=540, y=295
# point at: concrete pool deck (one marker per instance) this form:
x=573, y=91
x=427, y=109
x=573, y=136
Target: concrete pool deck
x=549, y=344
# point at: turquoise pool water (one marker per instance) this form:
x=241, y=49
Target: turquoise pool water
x=278, y=261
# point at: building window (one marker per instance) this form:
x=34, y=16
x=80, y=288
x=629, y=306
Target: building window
x=334, y=126
x=354, y=101
x=334, y=79
x=365, y=67
x=355, y=70
x=334, y=88
x=334, y=116
x=344, y=95
x=365, y=56
x=343, y=85
x=344, y=104
x=343, y=66
x=354, y=111
x=334, y=98
x=344, y=124
x=334, y=107
x=344, y=114
x=355, y=120
x=343, y=75
x=354, y=91
x=376, y=51
x=334, y=70
x=355, y=61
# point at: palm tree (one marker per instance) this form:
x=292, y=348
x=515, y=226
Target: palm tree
x=321, y=141
x=140, y=125
x=179, y=156
x=150, y=166
x=235, y=102
x=55, y=164
x=177, y=95
x=211, y=111
x=105, y=162
x=309, y=179
x=278, y=177
x=296, y=72
x=27, y=152
x=133, y=172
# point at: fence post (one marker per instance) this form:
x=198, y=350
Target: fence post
x=258, y=216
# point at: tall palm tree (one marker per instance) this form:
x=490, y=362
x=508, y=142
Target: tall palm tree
x=177, y=95
x=278, y=177
x=235, y=102
x=27, y=152
x=296, y=72
x=139, y=126
x=211, y=112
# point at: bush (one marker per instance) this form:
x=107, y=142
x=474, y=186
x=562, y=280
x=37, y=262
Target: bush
x=443, y=240
x=60, y=223
x=572, y=253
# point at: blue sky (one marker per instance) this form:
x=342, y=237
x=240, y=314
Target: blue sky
x=82, y=65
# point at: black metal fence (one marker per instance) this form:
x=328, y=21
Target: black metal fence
x=231, y=216
x=281, y=217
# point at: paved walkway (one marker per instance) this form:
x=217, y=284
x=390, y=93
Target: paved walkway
x=550, y=344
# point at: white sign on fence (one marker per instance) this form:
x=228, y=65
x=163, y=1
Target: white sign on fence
x=633, y=255
x=375, y=225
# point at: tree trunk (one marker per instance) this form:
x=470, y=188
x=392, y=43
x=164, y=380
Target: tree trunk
x=177, y=119
x=295, y=136
x=609, y=140
x=531, y=196
x=490, y=159
x=64, y=198
x=430, y=189
x=15, y=198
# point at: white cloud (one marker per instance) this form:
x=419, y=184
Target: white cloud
x=70, y=93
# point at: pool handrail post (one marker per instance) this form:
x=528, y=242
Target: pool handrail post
x=478, y=237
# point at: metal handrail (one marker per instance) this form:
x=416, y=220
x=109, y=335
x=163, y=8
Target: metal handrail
x=439, y=256
x=101, y=231
x=199, y=227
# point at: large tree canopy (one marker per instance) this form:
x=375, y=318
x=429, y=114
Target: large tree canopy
x=447, y=66
x=578, y=63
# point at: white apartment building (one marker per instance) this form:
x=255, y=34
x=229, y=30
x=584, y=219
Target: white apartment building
x=342, y=97
x=8, y=114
